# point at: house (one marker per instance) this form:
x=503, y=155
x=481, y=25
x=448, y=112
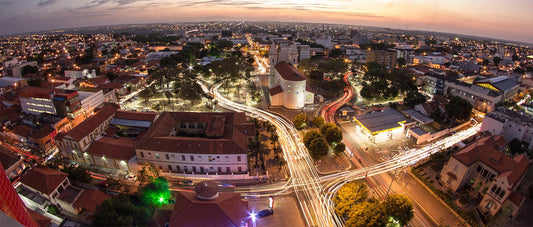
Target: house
x=288, y=87
x=191, y=142
x=13, y=164
x=223, y=209
x=34, y=100
x=55, y=188
x=510, y=124
x=39, y=139
x=73, y=143
x=488, y=171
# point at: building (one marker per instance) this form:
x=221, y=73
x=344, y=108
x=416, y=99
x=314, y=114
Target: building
x=11, y=204
x=488, y=171
x=354, y=53
x=382, y=124
x=73, y=143
x=16, y=70
x=482, y=98
x=7, y=84
x=39, y=139
x=407, y=53
x=63, y=103
x=13, y=165
x=189, y=142
x=90, y=100
x=510, y=124
x=84, y=73
x=291, y=53
x=55, y=188
x=160, y=54
x=288, y=88
x=208, y=207
x=383, y=57
x=507, y=86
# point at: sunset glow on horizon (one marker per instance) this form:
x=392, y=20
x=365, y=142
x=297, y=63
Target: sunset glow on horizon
x=496, y=19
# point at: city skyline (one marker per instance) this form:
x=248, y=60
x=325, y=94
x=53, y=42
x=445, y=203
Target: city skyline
x=453, y=16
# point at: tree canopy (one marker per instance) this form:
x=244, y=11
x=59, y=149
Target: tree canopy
x=300, y=121
x=316, y=144
x=400, y=207
x=318, y=121
x=367, y=214
x=120, y=211
x=414, y=98
x=458, y=109
x=331, y=132
x=348, y=196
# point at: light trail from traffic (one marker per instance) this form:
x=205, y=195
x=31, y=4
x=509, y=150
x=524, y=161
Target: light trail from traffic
x=304, y=176
x=316, y=200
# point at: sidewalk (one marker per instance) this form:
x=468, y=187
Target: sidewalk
x=333, y=164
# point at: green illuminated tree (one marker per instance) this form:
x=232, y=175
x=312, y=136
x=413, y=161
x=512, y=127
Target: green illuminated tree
x=156, y=193
x=400, y=207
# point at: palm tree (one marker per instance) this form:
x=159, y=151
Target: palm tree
x=257, y=148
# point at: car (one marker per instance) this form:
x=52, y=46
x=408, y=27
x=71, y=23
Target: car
x=131, y=177
x=186, y=182
x=73, y=164
x=265, y=213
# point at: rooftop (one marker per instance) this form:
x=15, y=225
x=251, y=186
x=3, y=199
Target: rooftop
x=288, y=72
x=488, y=151
x=90, y=124
x=381, y=120
x=43, y=179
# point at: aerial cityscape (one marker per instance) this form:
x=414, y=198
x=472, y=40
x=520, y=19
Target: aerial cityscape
x=283, y=113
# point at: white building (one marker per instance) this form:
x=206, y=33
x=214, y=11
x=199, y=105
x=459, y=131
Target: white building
x=510, y=124
x=90, y=100
x=354, y=53
x=288, y=87
x=190, y=142
x=407, y=53
x=160, y=54
x=291, y=53
x=85, y=73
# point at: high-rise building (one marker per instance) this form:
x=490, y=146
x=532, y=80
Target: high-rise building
x=11, y=204
x=383, y=57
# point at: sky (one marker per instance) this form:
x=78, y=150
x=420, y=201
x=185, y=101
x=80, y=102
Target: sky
x=509, y=19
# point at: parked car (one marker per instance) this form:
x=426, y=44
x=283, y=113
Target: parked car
x=186, y=182
x=265, y=213
x=131, y=177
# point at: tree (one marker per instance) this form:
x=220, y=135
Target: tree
x=300, y=121
x=331, y=132
x=35, y=82
x=156, y=193
x=111, y=75
x=414, y=98
x=316, y=144
x=258, y=149
x=400, y=207
x=147, y=173
x=120, y=211
x=515, y=146
x=145, y=94
x=485, y=62
x=335, y=53
x=519, y=70
x=78, y=174
x=167, y=62
x=28, y=69
x=318, y=121
x=339, y=148
x=401, y=62
x=348, y=196
x=190, y=90
x=458, y=108
x=367, y=214
x=497, y=61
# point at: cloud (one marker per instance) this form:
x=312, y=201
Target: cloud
x=5, y=3
x=46, y=2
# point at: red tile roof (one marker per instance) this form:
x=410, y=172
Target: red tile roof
x=37, y=92
x=43, y=179
x=90, y=199
x=233, y=141
x=122, y=148
x=41, y=220
x=226, y=210
x=488, y=151
x=275, y=90
x=138, y=116
x=111, y=86
x=288, y=72
x=89, y=125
